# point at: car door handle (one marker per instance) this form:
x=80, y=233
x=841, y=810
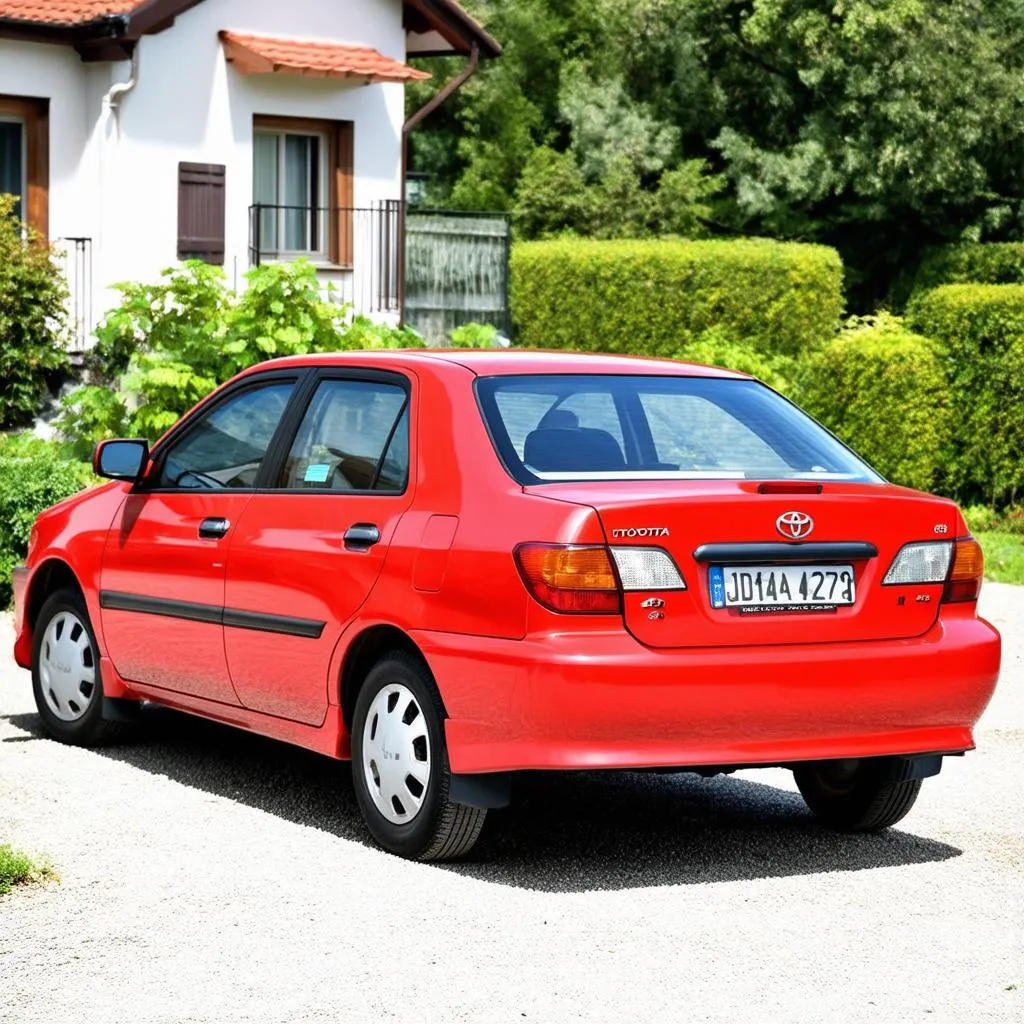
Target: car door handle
x=213, y=529
x=361, y=536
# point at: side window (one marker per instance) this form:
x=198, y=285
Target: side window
x=228, y=445
x=354, y=437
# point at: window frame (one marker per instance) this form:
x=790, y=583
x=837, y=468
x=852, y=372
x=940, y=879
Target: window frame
x=336, y=180
x=291, y=423
x=182, y=430
x=34, y=116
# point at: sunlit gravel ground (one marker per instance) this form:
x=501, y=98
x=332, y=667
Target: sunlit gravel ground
x=208, y=875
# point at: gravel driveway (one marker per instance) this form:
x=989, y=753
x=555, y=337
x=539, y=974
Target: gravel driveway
x=213, y=876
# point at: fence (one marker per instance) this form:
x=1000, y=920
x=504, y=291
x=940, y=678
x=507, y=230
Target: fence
x=356, y=249
x=457, y=271
x=74, y=257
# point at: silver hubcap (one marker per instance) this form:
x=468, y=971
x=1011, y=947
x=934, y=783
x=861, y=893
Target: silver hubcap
x=396, y=754
x=67, y=667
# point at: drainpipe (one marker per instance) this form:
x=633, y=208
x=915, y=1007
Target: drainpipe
x=424, y=112
x=116, y=93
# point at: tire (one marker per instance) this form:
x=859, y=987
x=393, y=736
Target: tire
x=66, y=680
x=398, y=725
x=856, y=795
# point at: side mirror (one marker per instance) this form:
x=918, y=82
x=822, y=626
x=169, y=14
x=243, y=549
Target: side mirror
x=120, y=460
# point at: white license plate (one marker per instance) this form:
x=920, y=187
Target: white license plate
x=772, y=588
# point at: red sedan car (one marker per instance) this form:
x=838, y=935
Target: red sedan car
x=454, y=566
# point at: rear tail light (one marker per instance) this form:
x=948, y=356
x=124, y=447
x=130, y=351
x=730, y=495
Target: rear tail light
x=964, y=583
x=920, y=563
x=570, y=577
x=959, y=564
x=647, y=569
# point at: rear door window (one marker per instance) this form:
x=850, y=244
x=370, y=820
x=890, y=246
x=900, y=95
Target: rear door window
x=353, y=437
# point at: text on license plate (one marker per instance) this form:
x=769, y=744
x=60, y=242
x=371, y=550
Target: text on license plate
x=776, y=587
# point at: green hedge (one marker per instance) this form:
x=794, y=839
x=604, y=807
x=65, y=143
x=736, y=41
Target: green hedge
x=982, y=329
x=882, y=389
x=657, y=297
x=966, y=263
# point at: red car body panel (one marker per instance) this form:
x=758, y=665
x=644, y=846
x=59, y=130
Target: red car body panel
x=523, y=687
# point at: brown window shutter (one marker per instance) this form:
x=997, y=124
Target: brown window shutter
x=201, y=211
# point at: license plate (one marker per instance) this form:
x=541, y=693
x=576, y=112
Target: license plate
x=763, y=589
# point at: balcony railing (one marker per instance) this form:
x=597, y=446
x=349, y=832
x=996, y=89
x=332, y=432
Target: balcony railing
x=362, y=243
x=74, y=257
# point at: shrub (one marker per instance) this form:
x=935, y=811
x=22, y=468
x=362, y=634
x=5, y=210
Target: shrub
x=971, y=263
x=658, y=297
x=33, y=319
x=34, y=474
x=169, y=344
x=982, y=329
x=882, y=389
x=716, y=348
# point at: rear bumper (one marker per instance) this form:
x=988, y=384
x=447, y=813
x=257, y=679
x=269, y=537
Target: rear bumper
x=601, y=700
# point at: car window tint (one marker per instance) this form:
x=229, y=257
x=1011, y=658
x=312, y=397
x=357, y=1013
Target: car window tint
x=524, y=413
x=354, y=437
x=227, y=446
x=691, y=432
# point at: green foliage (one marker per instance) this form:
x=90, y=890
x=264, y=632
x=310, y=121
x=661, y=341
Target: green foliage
x=660, y=297
x=34, y=474
x=715, y=348
x=169, y=344
x=968, y=263
x=32, y=319
x=1004, y=556
x=475, y=336
x=17, y=867
x=881, y=389
x=878, y=126
x=982, y=329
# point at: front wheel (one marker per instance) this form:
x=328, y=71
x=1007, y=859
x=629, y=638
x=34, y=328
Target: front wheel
x=66, y=680
x=400, y=765
x=857, y=795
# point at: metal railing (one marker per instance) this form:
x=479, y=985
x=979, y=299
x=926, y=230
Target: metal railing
x=74, y=256
x=356, y=248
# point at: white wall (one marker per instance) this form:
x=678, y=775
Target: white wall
x=189, y=104
x=56, y=73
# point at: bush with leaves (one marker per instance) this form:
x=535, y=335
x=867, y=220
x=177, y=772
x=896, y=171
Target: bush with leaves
x=660, y=297
x=34, y=474
x=882, y=389
x=982, y=329
x=716, y=347
x=33, y=319
x=169, y=344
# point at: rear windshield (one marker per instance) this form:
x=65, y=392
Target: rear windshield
x=591, y=427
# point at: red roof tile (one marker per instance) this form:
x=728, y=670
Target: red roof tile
x=64, y=12
x=259, y=55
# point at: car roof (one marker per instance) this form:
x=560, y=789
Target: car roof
x=504, y=362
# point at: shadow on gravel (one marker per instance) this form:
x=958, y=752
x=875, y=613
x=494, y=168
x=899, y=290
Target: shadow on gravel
x=565, y=832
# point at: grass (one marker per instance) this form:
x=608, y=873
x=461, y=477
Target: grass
x=17, y=867
x=1004, y=555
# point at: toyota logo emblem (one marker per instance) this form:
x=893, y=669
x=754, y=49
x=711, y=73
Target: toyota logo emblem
x=795, y=525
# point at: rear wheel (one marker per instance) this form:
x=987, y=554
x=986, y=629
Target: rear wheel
x=66, y=679
x=856, y=795
x=400, y=765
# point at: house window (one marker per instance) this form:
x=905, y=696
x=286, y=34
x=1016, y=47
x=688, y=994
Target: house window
x=302, y=189
x=12, y=159
x=24, y=157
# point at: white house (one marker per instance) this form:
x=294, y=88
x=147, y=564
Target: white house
x=140, y=132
